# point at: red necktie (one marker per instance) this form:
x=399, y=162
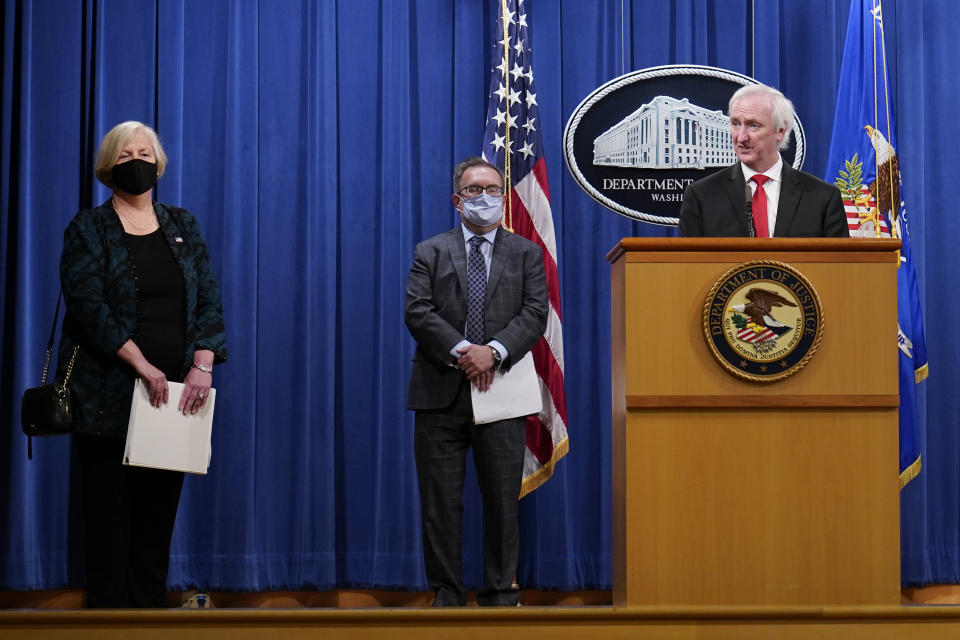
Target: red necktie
x=759, y=207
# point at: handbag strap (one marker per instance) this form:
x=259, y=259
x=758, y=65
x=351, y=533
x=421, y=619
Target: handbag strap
x=46, y=365
x=46, y=359
x=53, y=331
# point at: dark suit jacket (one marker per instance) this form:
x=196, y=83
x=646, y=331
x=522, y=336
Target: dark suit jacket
x=100, y=290
x=715, y=207
x=436, y=308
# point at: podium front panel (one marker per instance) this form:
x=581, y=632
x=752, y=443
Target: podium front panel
x=732, y=492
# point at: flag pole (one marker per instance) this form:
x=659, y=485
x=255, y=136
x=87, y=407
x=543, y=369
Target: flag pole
x=876, y=117
x=507, y=182
x=894, y=188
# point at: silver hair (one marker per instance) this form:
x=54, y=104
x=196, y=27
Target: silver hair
x=781, y=109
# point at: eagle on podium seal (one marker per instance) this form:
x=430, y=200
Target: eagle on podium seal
x=763, y=320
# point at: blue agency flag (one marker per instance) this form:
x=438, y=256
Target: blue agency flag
x=863, y=164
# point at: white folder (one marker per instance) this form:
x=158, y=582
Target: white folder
x=163, y=437
x=511, y=394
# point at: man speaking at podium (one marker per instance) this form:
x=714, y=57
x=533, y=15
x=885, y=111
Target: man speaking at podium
x=761, y=195
x=476, y=301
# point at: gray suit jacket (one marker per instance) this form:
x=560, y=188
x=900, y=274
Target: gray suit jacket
x=436, y=308
x=715, y=207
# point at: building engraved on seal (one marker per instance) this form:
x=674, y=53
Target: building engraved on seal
x=763, y=320
x=667, y=133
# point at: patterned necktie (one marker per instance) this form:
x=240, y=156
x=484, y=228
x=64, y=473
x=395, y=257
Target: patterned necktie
x=759, y=207
x=476, y=290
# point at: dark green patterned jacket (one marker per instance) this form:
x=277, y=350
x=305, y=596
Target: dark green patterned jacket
x=100, y=289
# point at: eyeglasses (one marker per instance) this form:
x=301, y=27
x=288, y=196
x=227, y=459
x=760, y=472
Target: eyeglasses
x=473, y=190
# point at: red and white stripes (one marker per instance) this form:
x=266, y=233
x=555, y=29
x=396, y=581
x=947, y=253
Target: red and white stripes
x=547, y=432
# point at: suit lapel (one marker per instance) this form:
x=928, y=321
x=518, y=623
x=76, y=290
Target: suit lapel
x=789, y=199
x=458, y=255
x=501, y=249
x=736, y=187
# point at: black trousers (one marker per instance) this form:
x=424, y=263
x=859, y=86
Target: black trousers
x=129, y=513
x=441, y=440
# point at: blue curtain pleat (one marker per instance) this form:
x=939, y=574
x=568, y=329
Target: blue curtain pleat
x=314, y=142
x=926, y=94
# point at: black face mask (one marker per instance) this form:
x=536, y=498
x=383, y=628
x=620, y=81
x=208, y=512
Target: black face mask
x=135, y=176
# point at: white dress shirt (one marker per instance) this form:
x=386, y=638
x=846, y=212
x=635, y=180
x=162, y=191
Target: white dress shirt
x=771, y=187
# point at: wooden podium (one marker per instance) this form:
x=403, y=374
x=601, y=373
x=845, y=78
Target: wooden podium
x=732, y=492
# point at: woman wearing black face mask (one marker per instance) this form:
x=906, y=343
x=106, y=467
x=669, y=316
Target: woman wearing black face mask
x=142, y=302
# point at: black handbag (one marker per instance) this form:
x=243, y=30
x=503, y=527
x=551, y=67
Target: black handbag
x=47, y=410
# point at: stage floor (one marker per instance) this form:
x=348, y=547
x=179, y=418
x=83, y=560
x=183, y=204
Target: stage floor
x=556, y=623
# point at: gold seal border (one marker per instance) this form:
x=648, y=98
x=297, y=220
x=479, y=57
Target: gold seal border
x=818, y=338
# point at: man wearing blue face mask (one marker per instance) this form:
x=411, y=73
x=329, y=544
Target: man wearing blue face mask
x=476, y=302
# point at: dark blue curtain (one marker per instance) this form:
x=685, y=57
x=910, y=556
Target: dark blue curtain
x=314, y=142
x=924, y=38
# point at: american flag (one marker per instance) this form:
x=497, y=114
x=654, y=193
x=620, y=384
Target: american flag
x=513, y=122
x=755, y=333
x=859, y=221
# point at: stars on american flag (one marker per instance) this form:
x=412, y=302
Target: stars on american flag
x=517, y=107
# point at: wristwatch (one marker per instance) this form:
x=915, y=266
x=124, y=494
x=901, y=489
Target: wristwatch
x=496, y=356
x=203, y=367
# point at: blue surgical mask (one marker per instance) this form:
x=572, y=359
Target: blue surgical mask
x=482, y=210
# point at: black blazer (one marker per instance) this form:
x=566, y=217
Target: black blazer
x=715, y=207
x=515, y=312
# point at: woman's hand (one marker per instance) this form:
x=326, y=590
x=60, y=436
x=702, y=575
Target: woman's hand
x=196, y=386
x=155, y=379
x=156, y=383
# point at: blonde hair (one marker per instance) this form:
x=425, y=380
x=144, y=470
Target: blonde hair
x=112, y=144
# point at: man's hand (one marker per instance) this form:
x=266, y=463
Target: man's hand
x=483, y=380
x=476, y=361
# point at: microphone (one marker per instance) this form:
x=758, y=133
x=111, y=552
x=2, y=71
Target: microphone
x=748, y=210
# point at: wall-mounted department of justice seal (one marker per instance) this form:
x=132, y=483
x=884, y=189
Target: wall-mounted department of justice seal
x=637, y=141
x=763, y=320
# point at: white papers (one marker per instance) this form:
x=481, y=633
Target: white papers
x=164, y=438
x=512, y=394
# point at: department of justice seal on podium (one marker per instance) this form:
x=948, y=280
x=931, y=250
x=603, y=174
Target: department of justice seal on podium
x=763, y=320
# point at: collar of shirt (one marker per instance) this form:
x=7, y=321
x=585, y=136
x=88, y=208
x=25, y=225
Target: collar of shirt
x=486, y=248
x=773, y=173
